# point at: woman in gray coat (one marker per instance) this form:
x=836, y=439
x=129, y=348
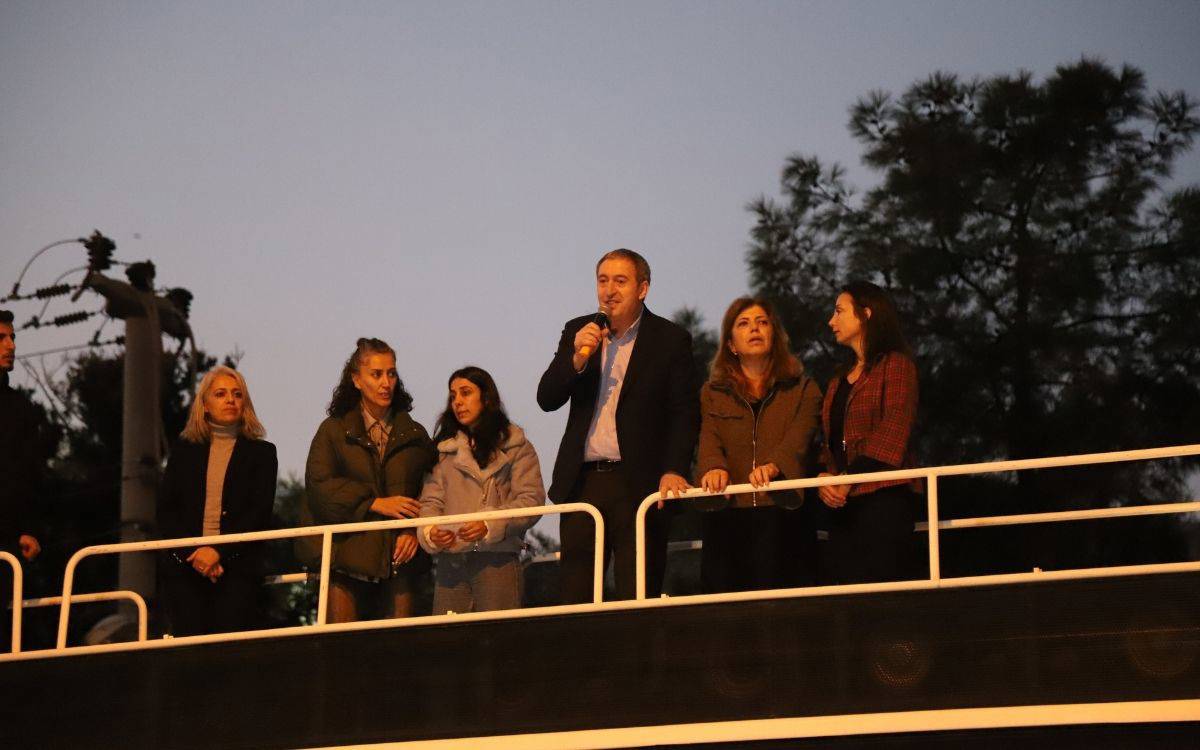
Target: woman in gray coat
x=484, y=463
x=366, y=463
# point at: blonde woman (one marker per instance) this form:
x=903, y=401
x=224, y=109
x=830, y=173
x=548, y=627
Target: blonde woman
x=220, y=479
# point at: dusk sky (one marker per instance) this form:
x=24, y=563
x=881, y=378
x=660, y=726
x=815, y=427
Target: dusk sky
x=445, y=175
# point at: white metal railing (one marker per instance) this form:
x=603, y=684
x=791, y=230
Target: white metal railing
x=18, y=584
x=931, y=474
x=101, y=596
x=326, y=533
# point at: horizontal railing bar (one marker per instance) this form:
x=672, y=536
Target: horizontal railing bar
x=1064, y=515
x=1085, y=459
x=629, y=604
x=290, y=578
x=99, y=596
x=343, y=528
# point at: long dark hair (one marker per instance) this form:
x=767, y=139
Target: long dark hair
x=492, y=427
x=346, y=397
x=881, y=330
x=783, y=363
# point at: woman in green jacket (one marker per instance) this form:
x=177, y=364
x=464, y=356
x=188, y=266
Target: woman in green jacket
x=367, y=463
x=758, y=415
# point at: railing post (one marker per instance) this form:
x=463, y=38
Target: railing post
x=326, y=559
x=639, y=563
x=597, y=556
x=18, y=598
x=931, y=503
x=64, y=612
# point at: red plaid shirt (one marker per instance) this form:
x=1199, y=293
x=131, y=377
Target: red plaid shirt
x=879, y=418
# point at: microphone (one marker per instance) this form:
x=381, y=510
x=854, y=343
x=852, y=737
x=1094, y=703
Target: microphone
x=600, y=319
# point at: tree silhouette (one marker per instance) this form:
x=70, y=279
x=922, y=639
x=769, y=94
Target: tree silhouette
x=1045, y=279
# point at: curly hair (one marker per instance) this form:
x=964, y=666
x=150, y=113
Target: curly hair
x=346, y=397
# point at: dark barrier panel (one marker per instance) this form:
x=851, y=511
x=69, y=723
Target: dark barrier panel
x=1117, y=639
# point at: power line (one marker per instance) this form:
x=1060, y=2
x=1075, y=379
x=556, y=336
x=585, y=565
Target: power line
x=89, y=345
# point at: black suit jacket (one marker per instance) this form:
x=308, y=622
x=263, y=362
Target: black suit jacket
x=658, y=416
x=247, y=496
x=20, y=468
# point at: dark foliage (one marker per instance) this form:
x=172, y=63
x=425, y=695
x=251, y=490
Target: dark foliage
x=1047, y=284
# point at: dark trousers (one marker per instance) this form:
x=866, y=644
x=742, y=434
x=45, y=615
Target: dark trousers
x=871, y=538
x=754, y=549
x=196, y=606
x=610, y=492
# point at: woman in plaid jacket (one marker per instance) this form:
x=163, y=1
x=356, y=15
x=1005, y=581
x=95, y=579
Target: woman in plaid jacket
x=867, y=417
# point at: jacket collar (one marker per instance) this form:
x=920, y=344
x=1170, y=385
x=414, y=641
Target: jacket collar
x=646, y=324
x=460, y=448
x=403, y=429
x=726, y=386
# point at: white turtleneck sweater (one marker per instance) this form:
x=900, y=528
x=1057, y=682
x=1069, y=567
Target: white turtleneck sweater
x=219, y=451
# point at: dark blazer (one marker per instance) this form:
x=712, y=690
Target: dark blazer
x=20, y=468
x=247, y=495
x=658, y=415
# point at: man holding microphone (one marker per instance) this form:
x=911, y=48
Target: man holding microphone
x=631, y=429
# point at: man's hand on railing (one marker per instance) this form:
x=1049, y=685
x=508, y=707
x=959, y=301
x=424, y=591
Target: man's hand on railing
x=763, y=474
x=833, y=495
x=672, y=483
x=396, y=506
x=406, y=547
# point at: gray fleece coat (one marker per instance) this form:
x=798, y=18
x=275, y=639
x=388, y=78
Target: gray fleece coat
x=456, y=485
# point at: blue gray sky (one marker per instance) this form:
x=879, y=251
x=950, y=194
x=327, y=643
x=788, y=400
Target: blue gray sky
x=444, y=175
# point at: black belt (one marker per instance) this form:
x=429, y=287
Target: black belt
x=601, y=466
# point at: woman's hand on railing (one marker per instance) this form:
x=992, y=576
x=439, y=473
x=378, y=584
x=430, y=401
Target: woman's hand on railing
x=405, y=548
x=833, y=495
x=714, y=480
x=441, y=538
x=762, y=475
x=472, y=531
x=396, y=506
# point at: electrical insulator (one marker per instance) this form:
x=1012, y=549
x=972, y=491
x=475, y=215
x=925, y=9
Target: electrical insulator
x=52, y=291
x=69, y=318
x=182, y=299
x=100, y=250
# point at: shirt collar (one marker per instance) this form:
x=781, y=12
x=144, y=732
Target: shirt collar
x=631, y=332
x=385, y=422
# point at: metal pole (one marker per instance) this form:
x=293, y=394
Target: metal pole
x=931, y=503
x=141, y=451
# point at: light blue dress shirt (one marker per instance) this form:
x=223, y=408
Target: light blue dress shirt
x=601, y=443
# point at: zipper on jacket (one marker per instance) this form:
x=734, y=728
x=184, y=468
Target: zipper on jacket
x=754, y=435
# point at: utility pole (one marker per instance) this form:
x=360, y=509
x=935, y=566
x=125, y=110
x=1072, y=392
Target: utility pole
x=147, y=316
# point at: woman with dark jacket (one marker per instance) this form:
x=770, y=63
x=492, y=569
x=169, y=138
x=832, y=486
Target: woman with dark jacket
x=220, y=479
x=868, y=416
x=759, y=413
x=366, y=463
x=485, y=463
